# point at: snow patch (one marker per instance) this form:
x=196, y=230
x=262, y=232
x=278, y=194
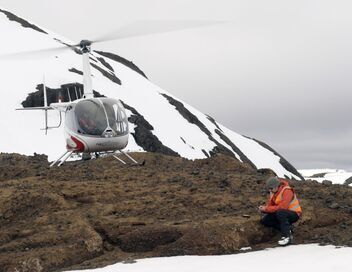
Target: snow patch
x=336, y=176
x=294, y=258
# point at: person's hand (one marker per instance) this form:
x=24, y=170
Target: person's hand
x=262, y=208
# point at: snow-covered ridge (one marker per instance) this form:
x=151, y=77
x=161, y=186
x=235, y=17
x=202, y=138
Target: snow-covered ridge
x=159, y=121
x=336, y=176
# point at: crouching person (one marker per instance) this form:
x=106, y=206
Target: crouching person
x=282, y=209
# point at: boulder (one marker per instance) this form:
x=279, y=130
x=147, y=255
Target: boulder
x=327, y=182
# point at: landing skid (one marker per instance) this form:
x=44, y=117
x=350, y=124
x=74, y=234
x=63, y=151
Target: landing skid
x=65, y=157
x=115, y=154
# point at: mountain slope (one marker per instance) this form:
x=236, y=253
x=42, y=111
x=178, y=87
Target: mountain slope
x=336, y=176
x=159, y=121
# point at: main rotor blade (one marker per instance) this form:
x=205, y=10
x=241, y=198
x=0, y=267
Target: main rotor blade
x=148, y=27
x=35, y=53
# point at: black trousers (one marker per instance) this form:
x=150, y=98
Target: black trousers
x=280, y=220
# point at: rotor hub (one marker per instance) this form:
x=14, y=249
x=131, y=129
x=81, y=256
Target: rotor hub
x=85, y=46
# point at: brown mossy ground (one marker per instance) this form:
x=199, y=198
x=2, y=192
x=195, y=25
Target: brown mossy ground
x=90, y=214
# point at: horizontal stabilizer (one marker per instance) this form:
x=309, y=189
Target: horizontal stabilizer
x=36, y=108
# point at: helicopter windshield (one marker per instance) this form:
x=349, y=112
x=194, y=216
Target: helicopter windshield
x=91, y=117
x=101, y=117
x=116, y=115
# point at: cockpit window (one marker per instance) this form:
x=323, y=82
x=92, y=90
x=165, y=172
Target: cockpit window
x=101, y=117
x=116, y=116
x=91, y=117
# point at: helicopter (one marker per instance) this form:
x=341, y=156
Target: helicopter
x=99, y=125
x=92, y=124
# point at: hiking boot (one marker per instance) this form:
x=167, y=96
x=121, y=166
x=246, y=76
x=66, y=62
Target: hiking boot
x=284, y=241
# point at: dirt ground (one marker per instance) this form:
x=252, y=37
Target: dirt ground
x=99, y=212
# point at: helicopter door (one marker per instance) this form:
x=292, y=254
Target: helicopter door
x=117, y=118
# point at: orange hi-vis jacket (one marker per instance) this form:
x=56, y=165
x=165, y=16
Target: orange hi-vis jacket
x=284, y=199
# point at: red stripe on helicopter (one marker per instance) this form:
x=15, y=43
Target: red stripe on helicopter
x=79, y=145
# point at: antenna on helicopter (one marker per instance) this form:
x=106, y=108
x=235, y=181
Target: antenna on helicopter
x=76, y=92
x=45, y=106
x=68, y=94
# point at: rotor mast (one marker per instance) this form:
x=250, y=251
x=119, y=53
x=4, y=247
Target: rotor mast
x=87, y=77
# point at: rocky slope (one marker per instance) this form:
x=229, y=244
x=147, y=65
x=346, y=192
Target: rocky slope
x=90, y=214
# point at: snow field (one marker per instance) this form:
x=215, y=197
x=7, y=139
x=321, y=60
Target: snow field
x=337, y=176
x=311, y=257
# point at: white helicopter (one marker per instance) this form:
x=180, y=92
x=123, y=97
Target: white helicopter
x=99, y=124
x=92, y=124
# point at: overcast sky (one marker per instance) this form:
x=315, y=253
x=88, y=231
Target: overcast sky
x=279, y=71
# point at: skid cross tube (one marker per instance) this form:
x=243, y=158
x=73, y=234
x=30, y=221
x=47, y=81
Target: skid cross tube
x=51, y=165
x=66, y=155
x=66, y=158
x=124, y=153
x=120, y=160
x=128, y=156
